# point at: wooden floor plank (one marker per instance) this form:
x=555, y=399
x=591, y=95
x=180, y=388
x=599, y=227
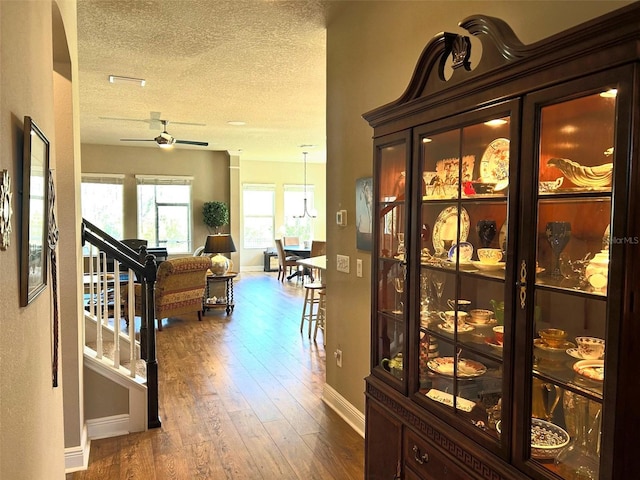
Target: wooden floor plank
x=240, y=398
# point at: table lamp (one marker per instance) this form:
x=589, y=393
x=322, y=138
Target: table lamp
x=219, y=244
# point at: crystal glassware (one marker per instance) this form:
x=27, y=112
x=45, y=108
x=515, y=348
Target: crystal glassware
x=438, y=279
x=399, y=286
x=558, y=235
x=581, y=459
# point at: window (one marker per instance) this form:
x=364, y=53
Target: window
x=294, y=225
x=164, y=212
x=101, y=199
x=258, y=213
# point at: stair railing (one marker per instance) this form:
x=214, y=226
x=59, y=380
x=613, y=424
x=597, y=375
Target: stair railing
x=141, y=265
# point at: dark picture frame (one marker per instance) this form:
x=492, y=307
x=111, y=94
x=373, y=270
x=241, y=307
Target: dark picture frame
x=364, y=213
x=35, y=223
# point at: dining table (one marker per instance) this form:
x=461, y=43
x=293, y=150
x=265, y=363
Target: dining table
x=298, y=251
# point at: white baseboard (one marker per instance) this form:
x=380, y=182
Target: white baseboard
x=77, y=458
x=349, y=413
x=107, y=427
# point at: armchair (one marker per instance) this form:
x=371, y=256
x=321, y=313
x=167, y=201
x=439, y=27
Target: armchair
x=179, y=289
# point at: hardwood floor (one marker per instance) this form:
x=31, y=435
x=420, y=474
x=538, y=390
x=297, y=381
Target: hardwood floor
x=240, y=398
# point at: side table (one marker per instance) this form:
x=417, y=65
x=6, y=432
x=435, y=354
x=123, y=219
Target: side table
x=228, y=300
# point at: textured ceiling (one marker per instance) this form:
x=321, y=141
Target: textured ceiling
x=206, y=62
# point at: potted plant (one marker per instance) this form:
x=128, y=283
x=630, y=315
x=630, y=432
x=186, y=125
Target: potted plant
x=216, y=214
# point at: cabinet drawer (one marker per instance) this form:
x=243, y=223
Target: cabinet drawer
x=423, y=458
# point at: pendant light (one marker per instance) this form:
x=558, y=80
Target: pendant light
x=305, y=213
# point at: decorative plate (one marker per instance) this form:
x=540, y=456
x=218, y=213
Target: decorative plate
x=547, y=439
x=447, y=169
x=447, y=399
x=502, y=237
x=575, y=353
x=492, y=342
x=465, y=250
x=466, y=328
x=465, y=266
x=488, y=266
x=539, y=343
x=494, y=165
x=466, y=368
x=591, y=369
x=446, y=227
x=490, y=323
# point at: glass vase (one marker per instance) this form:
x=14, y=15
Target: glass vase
x=581, y=459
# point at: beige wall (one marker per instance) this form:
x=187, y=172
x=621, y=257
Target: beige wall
x=279, y=174
x=209, y=169
x=372, y=48
x=31, y=410
x=217, y=176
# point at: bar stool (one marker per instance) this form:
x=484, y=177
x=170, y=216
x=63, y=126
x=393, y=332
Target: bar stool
x=322, y=316
x=311, y=302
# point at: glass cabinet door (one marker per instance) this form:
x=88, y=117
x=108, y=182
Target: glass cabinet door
x=391, y=243
x=573, y=175
x=462, y=246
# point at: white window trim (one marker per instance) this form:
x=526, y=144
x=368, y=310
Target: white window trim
x=163, y=180
x=110, y=178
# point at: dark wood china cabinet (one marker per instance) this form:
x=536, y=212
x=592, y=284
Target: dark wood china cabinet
x=505, y=320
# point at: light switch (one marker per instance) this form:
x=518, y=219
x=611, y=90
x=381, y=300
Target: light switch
x=341, y=218
x=359, y=267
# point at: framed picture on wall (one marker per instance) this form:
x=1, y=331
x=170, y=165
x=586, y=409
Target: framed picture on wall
x=364, y=213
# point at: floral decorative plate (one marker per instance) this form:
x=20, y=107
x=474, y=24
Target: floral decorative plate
x=575, y=353
x=591, y=369
x=466, y=368
x=446, y=227
x=461, y=329
x=494, y=165
x=492, y=342
x=447, y=399
x=463, y=250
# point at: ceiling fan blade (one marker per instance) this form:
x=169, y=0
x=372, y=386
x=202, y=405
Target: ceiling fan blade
x=137, y=140
x=125, y=119
x=190, y=142
x=188, y=123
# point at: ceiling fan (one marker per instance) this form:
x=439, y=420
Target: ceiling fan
x=165, y=140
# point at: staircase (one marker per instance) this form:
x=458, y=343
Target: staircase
x=114, y=348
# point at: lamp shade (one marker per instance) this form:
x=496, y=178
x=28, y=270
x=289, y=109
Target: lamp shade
x=219, y=244
x=222, y=243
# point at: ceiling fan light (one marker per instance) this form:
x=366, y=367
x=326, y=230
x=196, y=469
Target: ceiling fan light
x=164, y=140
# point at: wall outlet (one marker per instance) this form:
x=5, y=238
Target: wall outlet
x=338, y=355
x=342, y=263
x=359, y=267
